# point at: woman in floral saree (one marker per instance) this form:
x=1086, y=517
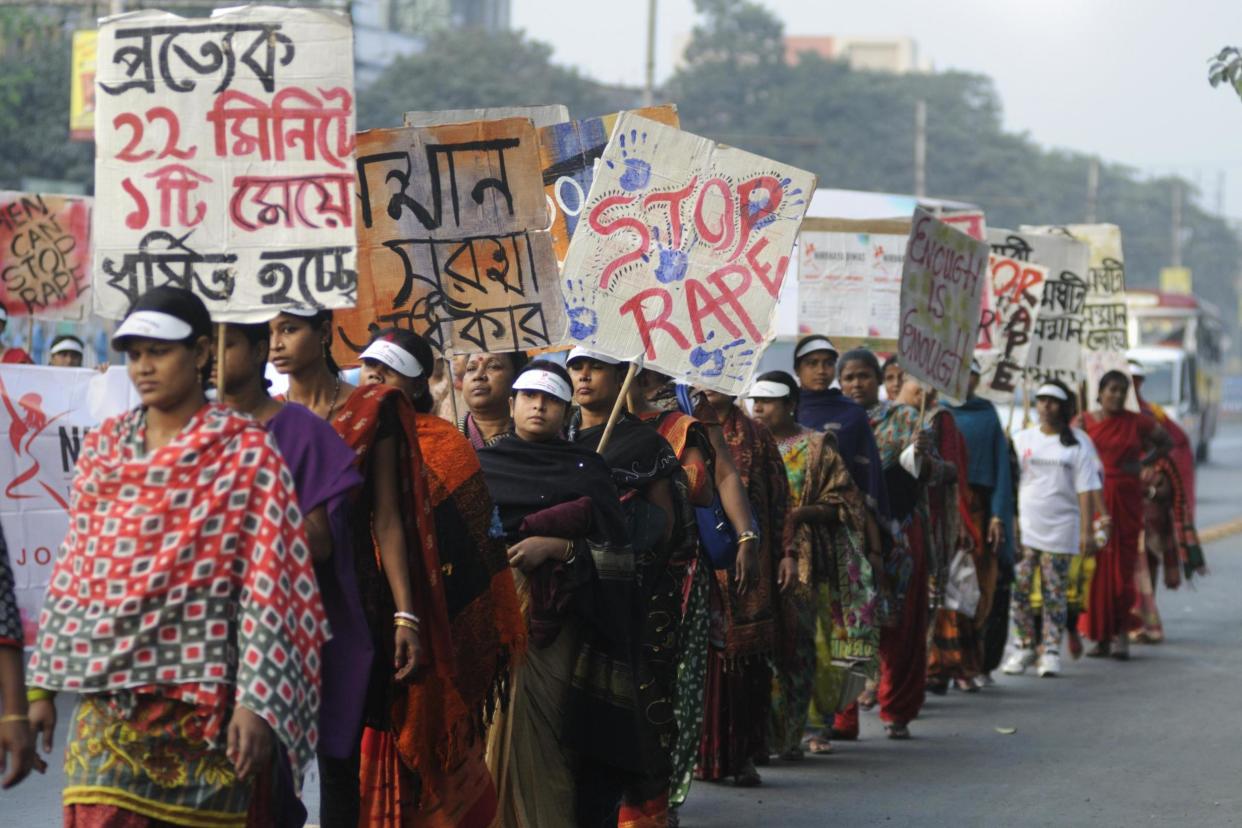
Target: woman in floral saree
x=825, y=577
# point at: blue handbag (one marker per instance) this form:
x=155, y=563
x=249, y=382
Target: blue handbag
x=716, y=531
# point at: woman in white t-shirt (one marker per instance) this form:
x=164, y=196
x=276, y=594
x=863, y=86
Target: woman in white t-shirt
x=1059, y=471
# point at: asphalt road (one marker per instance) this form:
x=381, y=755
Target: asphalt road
x=1151, y=742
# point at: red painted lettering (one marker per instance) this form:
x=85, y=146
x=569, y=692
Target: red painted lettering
x=761, y=269
x=646, y=324
x=732, y=296
x=674, y=199
x=723, y=235
x=701, y=303
x=616, y=226
x=750, y=215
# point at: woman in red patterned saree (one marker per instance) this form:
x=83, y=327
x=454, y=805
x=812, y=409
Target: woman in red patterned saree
x=183, y=606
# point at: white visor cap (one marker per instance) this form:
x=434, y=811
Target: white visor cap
x=149, y=324
x=68, y=345
x=766, y=389
x=545, y=382
x=583, y=353
x=1052, y=391
x=819, y=343
x=394, y=356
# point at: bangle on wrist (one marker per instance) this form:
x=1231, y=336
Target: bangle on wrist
x=402, y=622
x=14, y=717
x=747, y=536
x=408, y=616
x=571, y=552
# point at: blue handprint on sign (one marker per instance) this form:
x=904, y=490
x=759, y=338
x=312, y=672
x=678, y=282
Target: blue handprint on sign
x=637, y=172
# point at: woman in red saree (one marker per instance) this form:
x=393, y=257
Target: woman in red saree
x=413, y=722
x=183, y=607
x=1125, y=442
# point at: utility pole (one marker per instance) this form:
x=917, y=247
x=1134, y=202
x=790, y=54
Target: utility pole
x=649, y=86
x=920, y=148
x=1093, y=188
x=1176, y=258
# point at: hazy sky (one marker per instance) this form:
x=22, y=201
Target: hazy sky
x=1125, y=79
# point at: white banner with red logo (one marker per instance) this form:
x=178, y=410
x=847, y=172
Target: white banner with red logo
x=45, y=414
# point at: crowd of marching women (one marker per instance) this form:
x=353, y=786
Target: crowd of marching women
x=552, y=591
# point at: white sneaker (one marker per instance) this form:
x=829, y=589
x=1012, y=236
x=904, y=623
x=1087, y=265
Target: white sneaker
x=1019, y=659
x=1049, y=664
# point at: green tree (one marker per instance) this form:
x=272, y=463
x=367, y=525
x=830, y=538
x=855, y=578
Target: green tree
x=471, y=68
x=34, y=103
x=855, y=130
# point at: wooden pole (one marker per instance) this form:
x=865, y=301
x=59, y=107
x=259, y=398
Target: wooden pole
x=220, y=362
x=452, y=390
x=616, y=407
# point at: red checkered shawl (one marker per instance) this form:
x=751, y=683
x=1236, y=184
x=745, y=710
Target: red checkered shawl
x=186, y=574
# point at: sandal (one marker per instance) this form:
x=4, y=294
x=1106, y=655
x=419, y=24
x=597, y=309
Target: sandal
x=897, y=730
x=747, y=777
x=965, y=685
x=867, y=700
x=819, y=746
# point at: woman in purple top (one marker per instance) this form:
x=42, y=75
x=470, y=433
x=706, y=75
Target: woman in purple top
x=324, y=475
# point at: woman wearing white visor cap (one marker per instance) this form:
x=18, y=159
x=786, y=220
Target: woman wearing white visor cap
x=1059, y=471
x=826, y=580
x=66, y=352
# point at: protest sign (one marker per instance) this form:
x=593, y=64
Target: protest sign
x=681, y=253
x=849, y=280
x=453, y=241
x=970, y=222
x=225, y=160
x=1104, y=319
x=568, y=152
x=541, y=116
x=1007, y=325
x=1056, y=344
x=942, y=284
x=82, y=85
x=45, y=255
x=44, y=415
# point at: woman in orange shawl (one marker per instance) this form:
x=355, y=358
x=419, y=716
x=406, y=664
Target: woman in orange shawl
x=416, y=758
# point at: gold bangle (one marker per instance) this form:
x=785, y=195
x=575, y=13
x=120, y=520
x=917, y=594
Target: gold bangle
x=746, y=536
x=14, y=717
x=570, y=553
x=409, y=625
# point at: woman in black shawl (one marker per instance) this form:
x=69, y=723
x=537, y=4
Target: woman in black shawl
x=574, y=567
x=663, y=533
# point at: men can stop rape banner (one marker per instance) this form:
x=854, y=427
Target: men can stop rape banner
x=45, y=255
x=44, y=415
x=225, y=160
x=680, y=253
x=942, y=284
